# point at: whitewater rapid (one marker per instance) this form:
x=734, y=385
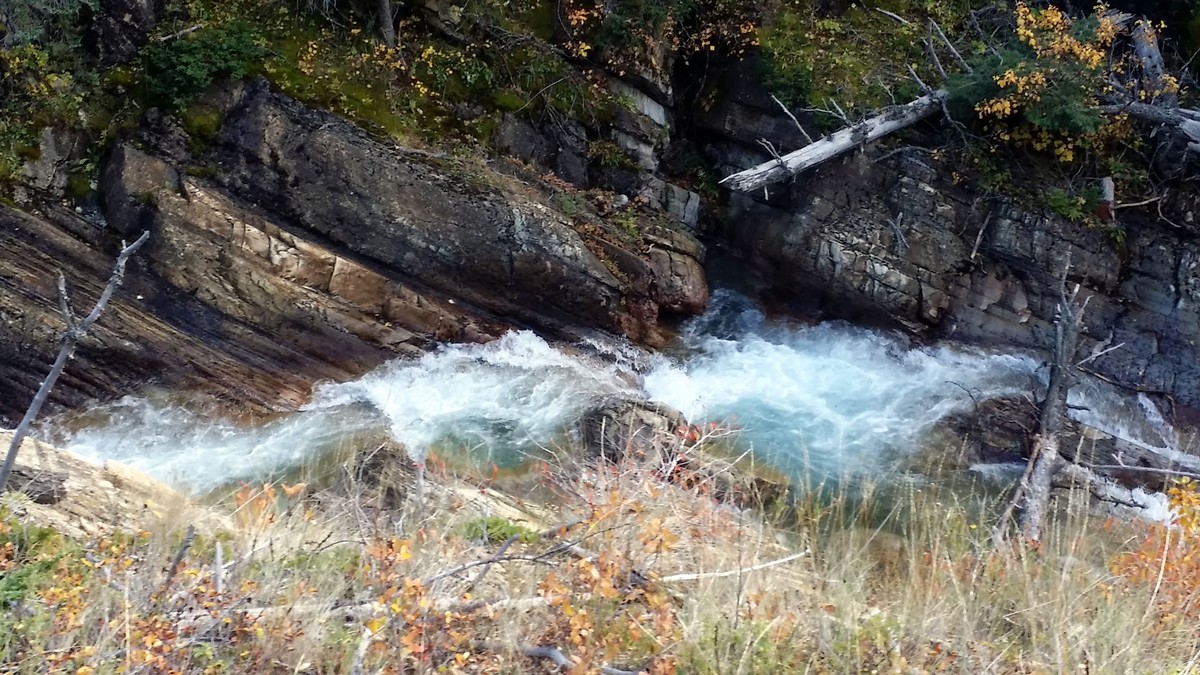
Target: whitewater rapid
x=822, y=400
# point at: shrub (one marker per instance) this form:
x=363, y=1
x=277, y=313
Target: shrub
x=177, y=71
x=628, y=31
x=1041, y=92
x=857, y=57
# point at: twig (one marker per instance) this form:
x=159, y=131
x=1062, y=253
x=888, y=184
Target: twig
x=787, y=112
x=184, y=545
x=75, y=331
x=185, y=31
x=901, y=242
x=219, y=567
x=552, y=654
x=539, y=93
x=1130, y=205
x=1142, y=469
x=979, y=237
x=917, y=78
x=360, y=654
x=487, y=567
x=949, y=45
x=1098, y=354
x=500, y=556
x=770, y=148
x=892, y=15
x=937, y=62
x=675, y=578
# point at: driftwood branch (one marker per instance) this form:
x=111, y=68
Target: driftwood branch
x=75, y=331
x=676, y=578
x=813, y=154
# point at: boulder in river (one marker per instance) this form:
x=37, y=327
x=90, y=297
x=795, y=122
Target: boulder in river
x=621, y=430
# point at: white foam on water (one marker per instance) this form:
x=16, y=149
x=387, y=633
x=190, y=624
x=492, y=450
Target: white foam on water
x=823, y=401
x=499, y=397
x=829, y=399
x=200, y=452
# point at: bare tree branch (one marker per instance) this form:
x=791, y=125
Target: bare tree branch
x=75, y=331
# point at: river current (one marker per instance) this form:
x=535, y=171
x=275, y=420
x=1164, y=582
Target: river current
x=817, y=401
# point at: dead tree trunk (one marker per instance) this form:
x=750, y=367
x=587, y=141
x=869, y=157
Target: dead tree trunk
x=387, y=23
x=1032, y=497
x=870, y=129
x=75, y=330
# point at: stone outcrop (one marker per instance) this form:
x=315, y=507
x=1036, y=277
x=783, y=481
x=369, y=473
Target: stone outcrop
x=95, y=499
x=157, y=333
x=621, y=430
x=299, y=248
x=118, y=28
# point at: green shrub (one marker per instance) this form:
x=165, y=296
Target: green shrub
x=857, y=57
x=495, y=530
x=177, y=71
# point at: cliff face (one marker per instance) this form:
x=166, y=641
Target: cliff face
x=892, y=236
x=309, y=250
x=292, y=246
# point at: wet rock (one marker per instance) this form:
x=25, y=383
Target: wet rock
x=624, y=430
x=897, y=241
x=1001, y=431
x=619, y=428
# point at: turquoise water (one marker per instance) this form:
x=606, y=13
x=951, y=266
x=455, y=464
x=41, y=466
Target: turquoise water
x=818, y=401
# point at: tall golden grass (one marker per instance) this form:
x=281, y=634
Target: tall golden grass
x=612, y=570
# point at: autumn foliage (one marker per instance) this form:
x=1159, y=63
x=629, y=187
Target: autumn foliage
x=1168, y=560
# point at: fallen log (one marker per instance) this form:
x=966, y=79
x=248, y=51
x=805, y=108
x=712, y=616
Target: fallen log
x=873, y=128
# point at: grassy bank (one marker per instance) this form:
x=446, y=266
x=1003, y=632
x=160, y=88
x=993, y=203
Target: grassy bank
x=614, y=569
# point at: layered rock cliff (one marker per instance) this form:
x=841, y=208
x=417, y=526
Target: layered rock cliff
x=296, y=247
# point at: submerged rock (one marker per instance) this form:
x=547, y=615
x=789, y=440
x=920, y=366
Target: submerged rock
x=620, y=430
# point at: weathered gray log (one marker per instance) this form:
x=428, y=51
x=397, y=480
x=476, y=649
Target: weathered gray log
x=1154, y=69
x=871, y=129
x=1045, y=458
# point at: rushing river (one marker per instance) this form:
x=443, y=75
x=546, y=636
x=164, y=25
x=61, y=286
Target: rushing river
x=824, y=400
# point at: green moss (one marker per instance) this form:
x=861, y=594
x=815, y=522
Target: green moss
x=541, y=19
x=496, y=530
x=79, y=184
x=201, y=121
x=508, y=99
x=205, y=171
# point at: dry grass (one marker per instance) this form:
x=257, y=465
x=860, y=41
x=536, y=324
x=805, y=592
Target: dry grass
x=615, y=569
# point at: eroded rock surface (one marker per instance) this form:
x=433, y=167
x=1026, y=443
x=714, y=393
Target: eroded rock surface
x=96, y=499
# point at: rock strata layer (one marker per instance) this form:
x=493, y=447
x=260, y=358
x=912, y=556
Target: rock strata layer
x=294, y=247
